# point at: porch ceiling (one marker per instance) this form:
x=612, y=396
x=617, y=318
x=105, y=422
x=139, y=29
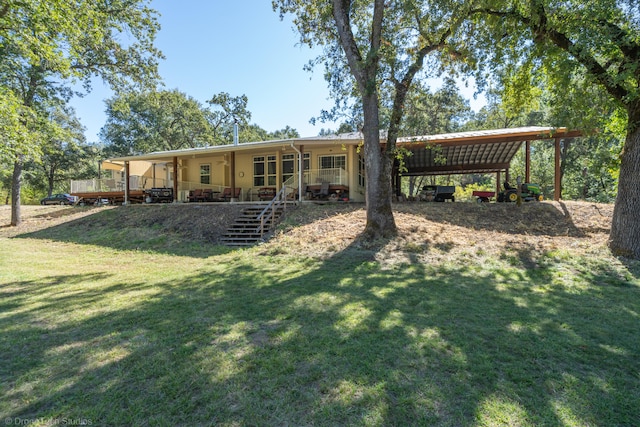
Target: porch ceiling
x=473, y=158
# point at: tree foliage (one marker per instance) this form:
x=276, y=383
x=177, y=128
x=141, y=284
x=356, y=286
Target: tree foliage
x=225, y=111
x=48, y=46
x=172, y=120
x=597, y=40
x=443, y=111
x=63, y=153
x=154, y=121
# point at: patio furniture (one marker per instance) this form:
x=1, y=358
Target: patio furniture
x=225, y=196
x=196, y=195
x=293, y=195
x=207, y=195
x=322, y=192
x=266, y=193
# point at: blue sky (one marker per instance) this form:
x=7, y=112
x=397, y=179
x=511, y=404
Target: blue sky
x=239, y=47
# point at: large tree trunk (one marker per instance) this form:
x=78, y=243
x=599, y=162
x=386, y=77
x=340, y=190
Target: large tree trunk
x=380, y=221
x=16, y=184
x=378, y=165
x=625, y=228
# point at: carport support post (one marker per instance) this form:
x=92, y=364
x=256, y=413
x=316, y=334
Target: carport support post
x=498, y=185
x=557, y=189
x=126, y=183
x=175, y=179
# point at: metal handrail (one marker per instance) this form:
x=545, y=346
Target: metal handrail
x=270, y=210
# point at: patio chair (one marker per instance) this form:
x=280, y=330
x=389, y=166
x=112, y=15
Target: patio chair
x=293, y=195
x=225, y=196
x=323, y=191
x=196, y=195
x=236, y=194
x=266, y=193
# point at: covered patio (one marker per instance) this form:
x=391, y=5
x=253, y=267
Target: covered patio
x=479, y=152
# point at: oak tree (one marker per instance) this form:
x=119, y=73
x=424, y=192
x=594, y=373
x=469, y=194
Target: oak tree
x=48, y=47
x=374, y=50
x=599, y=40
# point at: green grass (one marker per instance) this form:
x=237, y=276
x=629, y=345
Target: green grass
x=258, y=337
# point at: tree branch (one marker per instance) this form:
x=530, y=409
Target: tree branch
x=542, y=32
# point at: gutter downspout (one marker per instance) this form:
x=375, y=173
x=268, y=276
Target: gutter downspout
x=300, y=172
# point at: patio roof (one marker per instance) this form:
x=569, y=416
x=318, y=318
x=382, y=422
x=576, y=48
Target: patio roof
x=483, y=151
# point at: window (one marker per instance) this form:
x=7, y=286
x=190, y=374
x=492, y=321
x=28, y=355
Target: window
x=205, y=173
x=271, y=170
x=361, y=174
x=332, y=162
x=258, y=171
x=264, y=170
x=290, y=165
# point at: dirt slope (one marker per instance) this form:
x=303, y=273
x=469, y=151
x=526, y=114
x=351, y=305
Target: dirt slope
x=430, y=231
x=425, y=230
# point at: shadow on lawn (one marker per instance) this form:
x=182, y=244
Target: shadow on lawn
x=339, y=342
x=166, y=229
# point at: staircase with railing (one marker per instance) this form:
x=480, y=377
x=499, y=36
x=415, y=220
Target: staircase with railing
x=256, y=222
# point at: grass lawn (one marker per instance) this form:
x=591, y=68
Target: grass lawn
x=266, y=336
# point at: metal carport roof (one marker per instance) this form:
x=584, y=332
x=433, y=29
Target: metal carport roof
x=472, y=152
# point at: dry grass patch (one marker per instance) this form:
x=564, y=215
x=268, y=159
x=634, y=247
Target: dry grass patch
x=429, y=232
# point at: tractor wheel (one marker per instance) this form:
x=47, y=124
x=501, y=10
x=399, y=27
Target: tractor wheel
x=513, y=197
x=540, y=197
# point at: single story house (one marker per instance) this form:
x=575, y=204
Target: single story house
x=334, y=164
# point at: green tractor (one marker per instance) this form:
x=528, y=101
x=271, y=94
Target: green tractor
x=529, y=192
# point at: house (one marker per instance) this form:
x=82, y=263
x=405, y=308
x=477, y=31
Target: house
x=333, y=164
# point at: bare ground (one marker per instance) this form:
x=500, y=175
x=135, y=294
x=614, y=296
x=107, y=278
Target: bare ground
x=426, y=231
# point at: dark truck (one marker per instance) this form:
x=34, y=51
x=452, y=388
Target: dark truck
x=437, y=193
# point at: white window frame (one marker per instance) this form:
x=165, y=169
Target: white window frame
x=294, y=158
x=269, y=165
x=333, y=165
x=205, y=173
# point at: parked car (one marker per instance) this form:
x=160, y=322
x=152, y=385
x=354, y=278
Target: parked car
x=58, y=199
